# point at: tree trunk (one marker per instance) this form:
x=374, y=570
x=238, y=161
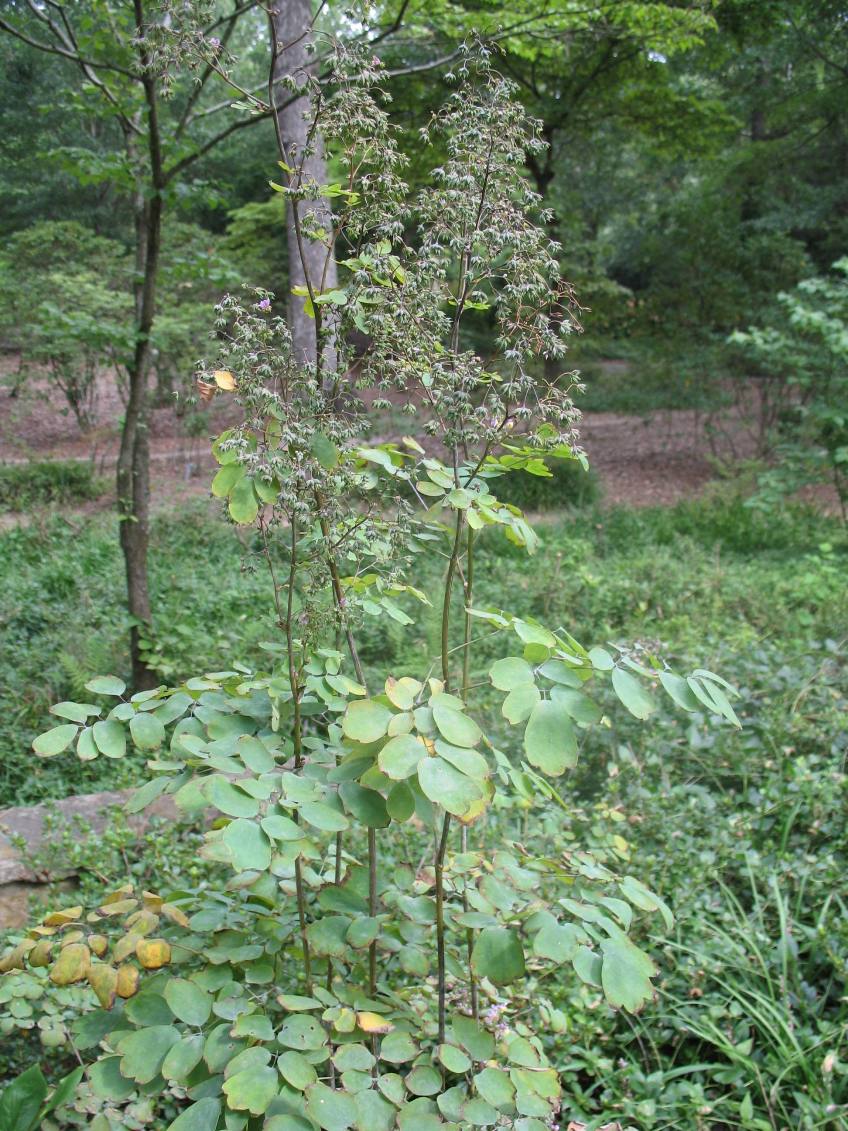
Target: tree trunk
x=542, y=173
x=310, y=263
x=133, y=470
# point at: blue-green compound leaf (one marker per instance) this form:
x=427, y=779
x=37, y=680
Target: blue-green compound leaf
x=626, y=973
x=444, y=784
x=632, y=694
x=328, y=935
x=495, y=1086
x=202, y=1116
x=645, y=900
x=424, y=1080
x=373, y=1112
x=296, y=1070
x=579, y=706
x=252, y=1089
x=549, y=740
x=478, y=1042
x=557, y=942
x=55, y=741
x=332, y=1110
x=143, y=1051
x=228, y=798
x=510, y=672
x=226, y=478
x=498, y=955
x=455, y=726
x=400, y=803
x=398, y=1047
x=400, y=756
x=182, y=1057
x=64, y=1091
x=324, y=450
x=187, y=1001
x=366, y=720
x=106, y=685
x=147, y=731
x=679, y=690
x=302, y=1033
x=520, y=702
x=243, y=505
x=110, y=738
x=249, y=847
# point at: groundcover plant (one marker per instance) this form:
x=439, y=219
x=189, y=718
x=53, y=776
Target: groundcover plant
x=365, y=960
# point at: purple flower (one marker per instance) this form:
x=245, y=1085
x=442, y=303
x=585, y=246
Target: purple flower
x=265, y=305
x=214, y=43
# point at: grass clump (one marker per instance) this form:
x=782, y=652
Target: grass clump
x=27, y=485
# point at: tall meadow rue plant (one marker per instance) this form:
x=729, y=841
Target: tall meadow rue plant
x=375, y=958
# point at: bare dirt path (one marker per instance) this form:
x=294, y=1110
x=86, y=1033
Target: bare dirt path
x=641, y=461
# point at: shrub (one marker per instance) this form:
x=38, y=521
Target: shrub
x=804, y=353
x=368, y=930
x=570, y=484
x=23, y=486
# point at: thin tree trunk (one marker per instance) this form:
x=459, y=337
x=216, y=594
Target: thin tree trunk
x=310, y=264
x=133, y=470
x=542, y=172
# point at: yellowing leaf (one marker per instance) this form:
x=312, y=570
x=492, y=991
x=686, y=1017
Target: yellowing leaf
x=40, y=953
x=72, y=965
x=119, y=907
x=373, y=1023
x=124, y=947
x=143, y=922
x=153, y=953
x=224, y=380
x=170, y=911
x=98, y=944
x=127, y=982
x=120, y=893
x=103, y=979
x=61, y=918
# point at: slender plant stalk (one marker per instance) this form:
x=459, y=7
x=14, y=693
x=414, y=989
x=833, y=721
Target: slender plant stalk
x=372, y=907
x=442, y=845
x=297, y=739
x=466, y=667
x=440, y=922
